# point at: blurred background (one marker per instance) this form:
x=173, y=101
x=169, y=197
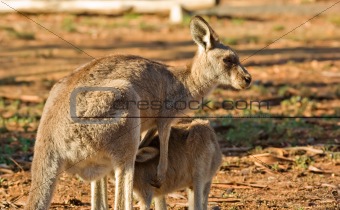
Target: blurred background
x=291, y=48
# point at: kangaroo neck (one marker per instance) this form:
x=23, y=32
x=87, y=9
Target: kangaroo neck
x=196, y=80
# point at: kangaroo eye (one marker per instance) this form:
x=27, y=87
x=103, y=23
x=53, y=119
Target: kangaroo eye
x=227, y=60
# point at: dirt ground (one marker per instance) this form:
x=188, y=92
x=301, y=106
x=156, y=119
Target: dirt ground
x=286, y=156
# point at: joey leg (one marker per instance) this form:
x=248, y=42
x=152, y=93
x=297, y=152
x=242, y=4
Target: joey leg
x=160, y=203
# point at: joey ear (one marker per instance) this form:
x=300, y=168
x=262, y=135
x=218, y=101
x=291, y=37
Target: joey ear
x=146, y=153
x=148, y=138
x=204, y=36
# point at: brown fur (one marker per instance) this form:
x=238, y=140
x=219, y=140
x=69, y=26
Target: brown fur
x=194, y=158
x=92, y=150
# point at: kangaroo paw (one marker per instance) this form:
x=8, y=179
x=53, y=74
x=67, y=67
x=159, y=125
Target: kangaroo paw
x=156, y=182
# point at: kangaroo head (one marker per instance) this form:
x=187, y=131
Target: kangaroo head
x=217, y=62
x=146, y=153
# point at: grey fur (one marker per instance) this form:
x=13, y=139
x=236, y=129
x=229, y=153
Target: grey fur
x=93, y=150
x=194, y=158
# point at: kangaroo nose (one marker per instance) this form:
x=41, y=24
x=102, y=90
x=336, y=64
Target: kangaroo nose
x=247, y=79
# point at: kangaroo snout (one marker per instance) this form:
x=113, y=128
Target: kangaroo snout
x=247, y=79
x=240, y=78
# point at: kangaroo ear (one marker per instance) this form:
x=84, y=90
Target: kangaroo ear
x=204, y=36
x=148, y=138
x=146, y=153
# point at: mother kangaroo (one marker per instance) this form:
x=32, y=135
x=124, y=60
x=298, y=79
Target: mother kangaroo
x=93, y=119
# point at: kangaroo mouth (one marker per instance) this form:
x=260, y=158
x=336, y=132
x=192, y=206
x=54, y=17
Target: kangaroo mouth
x=241, y=86
x=247, y=79
x=246, y=82
x=232, y=87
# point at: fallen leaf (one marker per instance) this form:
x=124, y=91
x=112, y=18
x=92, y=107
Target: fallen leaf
x=230, y=200
x=270, y=159
x=317, y=170
x=327, y=201
x=277, y=151
x=258, y=185
x=223, y=186
x=6, y=171
x=178, y=204
x=309, y=150
x=177, y=196
x=328, y=185
x=264, y=168
x=244, y=185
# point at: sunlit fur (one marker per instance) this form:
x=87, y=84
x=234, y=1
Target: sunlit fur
x=64, y=145
x=194, y=158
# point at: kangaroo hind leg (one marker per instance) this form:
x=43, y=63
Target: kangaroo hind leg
x=46, y=167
